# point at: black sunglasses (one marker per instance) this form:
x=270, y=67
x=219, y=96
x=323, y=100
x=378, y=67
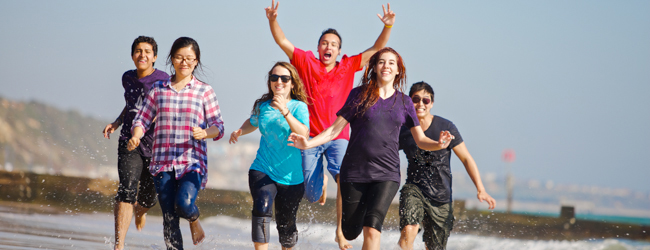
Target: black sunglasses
x=426, y=101
x=274, y=78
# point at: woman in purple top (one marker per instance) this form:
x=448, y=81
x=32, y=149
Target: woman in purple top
x=132, y=166
x=370, y=170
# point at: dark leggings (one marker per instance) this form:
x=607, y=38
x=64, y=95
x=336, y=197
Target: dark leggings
x=287, y=198
x=133, y=169
x=365, y=205
x=177, y=199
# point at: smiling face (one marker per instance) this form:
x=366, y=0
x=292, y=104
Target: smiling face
x=143, y=57
x=329, y=49
x=184, y=61
x=421, y=109
x=281, y=87
x=386, y=68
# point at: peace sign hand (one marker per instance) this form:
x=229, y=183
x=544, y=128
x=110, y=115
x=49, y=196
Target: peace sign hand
x=272, y=11
x=389, y=16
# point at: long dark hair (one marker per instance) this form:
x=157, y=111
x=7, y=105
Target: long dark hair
x=183, y=42
x=369, y=85
x=297, y=91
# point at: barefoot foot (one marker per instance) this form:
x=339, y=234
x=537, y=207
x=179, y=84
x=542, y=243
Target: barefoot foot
x=140, y=216
x=323, y=197
x=343, y=243
x=197, y=232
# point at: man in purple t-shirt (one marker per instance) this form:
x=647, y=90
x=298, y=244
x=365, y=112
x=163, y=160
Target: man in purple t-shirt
x=133, y=166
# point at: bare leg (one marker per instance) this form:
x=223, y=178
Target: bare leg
x=261, y=246
x=197, y=232
x=140, y=216
x=343, y=243
x=407, y=236
x=123, y=212
x=371, y=239
x=323, y=197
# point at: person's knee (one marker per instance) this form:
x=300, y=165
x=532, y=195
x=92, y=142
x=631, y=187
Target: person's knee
x=374, y=221
x=410, y=230
x=126, y=194
x=351, y=232
x=263, y=207
x=185, y=208
x=371, y=233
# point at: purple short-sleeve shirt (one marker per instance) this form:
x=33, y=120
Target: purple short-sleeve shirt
x=134, y=91
x=372, y=153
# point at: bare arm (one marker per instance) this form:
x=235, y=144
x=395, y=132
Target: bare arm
x=426, y=143
x=327, y=135
x=295, y=125
x=276, y=31
x=472, y=170
x=245, y=129
x=388, y=19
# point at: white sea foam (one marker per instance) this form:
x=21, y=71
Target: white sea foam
x=95, y=231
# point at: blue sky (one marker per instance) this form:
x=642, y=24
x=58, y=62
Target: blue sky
x=563, y=83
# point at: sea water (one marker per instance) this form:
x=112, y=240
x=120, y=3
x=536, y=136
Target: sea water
x=72, y=230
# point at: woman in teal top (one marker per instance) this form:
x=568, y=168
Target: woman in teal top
x=276, y=174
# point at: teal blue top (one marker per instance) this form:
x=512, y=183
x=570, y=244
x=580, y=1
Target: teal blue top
x=274, y=158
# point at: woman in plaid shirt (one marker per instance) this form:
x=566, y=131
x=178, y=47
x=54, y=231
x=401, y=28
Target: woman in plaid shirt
x=186, y=112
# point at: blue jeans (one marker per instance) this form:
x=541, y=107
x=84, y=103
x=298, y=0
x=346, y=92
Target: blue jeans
x=176, y=199
x=312, y=166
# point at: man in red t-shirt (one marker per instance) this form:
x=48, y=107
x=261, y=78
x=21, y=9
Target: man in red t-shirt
x=328, y=83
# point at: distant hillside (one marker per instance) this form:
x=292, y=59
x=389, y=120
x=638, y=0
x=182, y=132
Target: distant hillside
x=38, y=138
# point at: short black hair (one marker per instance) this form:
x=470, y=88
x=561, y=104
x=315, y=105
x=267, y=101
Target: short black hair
x=421, y=85
x=145, y=39
x=331, y=31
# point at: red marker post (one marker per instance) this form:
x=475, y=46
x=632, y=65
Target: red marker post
x=508, y=157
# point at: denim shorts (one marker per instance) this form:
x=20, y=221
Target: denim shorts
x=312, y=166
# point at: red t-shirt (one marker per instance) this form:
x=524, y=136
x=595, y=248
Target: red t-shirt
x=328, y=90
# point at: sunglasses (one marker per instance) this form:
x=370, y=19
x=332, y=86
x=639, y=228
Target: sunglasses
x=274, y=78
x=426, y=101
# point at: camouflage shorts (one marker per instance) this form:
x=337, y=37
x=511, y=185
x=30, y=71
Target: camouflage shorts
x=436, y=218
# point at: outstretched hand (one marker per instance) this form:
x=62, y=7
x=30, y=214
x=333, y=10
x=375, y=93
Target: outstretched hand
x=484, y=196
x=234, y=137
x=389, y=16
x=272, y=11
x=109, y=129
x=445, y=138
x=298, y=141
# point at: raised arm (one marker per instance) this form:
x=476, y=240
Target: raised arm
x=388, y=19
x=245, y=129
x=426, y=143
x=301, y=142
x=276, y=31
x=470, y=166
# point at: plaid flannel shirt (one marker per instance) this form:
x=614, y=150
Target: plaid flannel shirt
x=175, y=148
